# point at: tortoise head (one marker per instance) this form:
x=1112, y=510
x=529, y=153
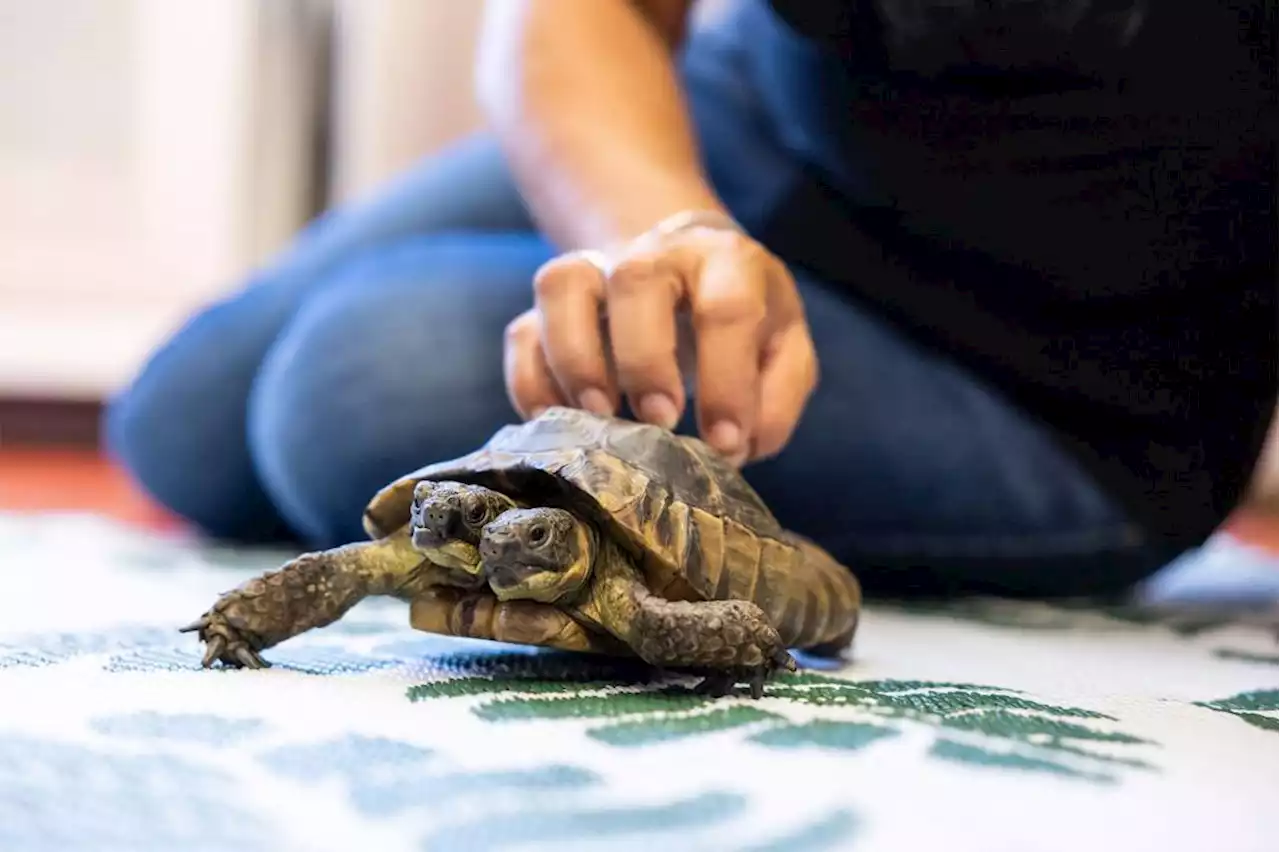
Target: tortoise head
x=541, y=554
x=447, y=518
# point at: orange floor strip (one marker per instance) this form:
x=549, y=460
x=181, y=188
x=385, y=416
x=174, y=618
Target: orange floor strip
x=43, y=480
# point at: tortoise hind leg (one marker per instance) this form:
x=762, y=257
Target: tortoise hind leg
x=480, y=615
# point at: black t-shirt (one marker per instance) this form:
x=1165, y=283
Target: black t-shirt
x=1077, y=200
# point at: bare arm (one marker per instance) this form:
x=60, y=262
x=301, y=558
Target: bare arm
x=585, y=101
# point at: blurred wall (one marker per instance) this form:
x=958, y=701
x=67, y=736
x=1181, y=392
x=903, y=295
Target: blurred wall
x=150, y=152
x=403, y=86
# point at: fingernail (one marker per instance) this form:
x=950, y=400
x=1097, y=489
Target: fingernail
x=726, y=438
x=659, y=409
x=594, y=400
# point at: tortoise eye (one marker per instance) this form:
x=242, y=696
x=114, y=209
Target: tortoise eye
x=538, y=535
x=475, y=513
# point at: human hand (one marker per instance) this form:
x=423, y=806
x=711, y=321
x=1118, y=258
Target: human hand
x=754, y=362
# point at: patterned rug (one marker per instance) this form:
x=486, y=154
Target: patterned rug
x=985, y=725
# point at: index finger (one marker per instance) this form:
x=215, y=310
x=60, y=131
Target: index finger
x=530, y=386
x=729, y=312
x=643, y=295
x=568, y=292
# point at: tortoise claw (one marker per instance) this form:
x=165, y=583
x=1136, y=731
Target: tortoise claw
x=217, y=645
x=716, y=684
x=250, y=658
x=233, y=647
x=720, y=683
x=726, y=642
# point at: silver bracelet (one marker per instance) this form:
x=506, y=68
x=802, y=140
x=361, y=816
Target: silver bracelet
x=673, y=224
x=600, y=260
x=687, y=219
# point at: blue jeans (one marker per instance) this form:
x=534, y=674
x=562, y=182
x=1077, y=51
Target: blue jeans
x=374, y=344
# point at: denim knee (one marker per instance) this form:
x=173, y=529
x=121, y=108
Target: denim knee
x=394, y=363
x=178, y=428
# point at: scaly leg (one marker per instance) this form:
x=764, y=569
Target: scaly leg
x=726, y=641
x=313, y=590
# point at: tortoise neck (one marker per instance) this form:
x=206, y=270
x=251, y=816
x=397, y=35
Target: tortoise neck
x=611, y=599
x=579, y=574
x=385, y=566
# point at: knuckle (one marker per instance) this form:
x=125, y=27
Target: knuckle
x=735, y=307
x=775, y=269
x=558, y=276
x=634, y=274
x=521, y=331
x=743, y=249
x=717, y=239
x=639, y=265
x=750, y=251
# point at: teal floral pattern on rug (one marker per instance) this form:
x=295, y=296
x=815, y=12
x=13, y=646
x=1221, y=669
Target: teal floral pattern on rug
x=1261, y=659
x=1258, y=708
x=975, y=725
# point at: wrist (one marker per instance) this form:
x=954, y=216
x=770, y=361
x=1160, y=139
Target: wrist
x=651, y=198
x=711, y=216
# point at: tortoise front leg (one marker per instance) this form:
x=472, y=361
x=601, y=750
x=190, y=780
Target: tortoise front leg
x=313, y=590
x=480, y=615
x=726, y=641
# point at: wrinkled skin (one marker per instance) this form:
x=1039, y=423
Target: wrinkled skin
x=548, y=555
x=316, y=589
x=448, y=517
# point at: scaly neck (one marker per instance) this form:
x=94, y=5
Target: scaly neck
x=610, y=600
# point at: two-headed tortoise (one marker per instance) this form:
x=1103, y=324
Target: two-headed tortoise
x=577, y=532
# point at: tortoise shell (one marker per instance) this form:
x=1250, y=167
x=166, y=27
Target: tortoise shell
x=696, y=526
